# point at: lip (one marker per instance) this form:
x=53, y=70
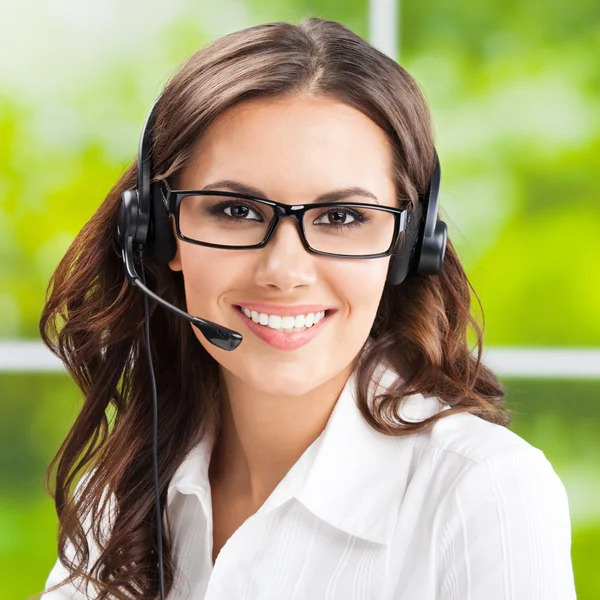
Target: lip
x=286, y=311
x=282, y=340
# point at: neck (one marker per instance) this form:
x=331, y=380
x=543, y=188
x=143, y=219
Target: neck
x=262, y=435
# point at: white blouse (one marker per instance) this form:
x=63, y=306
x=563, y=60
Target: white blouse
x=467, y=510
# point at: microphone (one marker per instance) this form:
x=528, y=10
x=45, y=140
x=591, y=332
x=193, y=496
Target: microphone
x=220, y=336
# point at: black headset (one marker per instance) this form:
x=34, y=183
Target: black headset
x=143, y=226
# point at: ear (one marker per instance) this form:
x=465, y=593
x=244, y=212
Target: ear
x=175, y=264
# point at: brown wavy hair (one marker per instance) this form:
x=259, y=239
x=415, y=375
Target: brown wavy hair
x=93, y=319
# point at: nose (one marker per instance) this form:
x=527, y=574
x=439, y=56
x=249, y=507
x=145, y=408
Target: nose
x=284, y=262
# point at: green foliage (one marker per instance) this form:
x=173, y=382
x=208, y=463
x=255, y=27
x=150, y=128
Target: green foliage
x=586, y=542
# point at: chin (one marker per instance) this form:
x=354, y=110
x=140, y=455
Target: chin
x=283, y=380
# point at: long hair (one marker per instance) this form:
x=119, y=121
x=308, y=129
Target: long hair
x=93, y=319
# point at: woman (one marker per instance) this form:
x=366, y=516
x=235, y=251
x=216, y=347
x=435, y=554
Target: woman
x=360, y=451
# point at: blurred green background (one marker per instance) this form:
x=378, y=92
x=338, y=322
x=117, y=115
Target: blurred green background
x=514, y=91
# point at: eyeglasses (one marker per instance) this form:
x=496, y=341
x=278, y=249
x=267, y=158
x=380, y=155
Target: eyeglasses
x=236, y=221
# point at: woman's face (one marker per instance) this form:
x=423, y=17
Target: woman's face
x=292, y=150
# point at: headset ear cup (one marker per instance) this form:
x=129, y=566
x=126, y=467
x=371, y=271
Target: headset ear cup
x=403, y=257
x=433, y=251
x=162, y=245
x=127, y=218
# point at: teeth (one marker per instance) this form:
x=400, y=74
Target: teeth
x=275, y=321
x=288, y=324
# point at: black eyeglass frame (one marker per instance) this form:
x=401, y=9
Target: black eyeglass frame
x=172, y=201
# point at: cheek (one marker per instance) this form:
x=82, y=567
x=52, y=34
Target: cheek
x=208, y=274
x=361, y=286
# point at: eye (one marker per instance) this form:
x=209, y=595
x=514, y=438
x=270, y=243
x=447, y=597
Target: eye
x=335, y=217
x=241, y=211
x=339, y=217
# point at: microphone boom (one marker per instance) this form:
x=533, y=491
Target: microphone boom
x=218, y=335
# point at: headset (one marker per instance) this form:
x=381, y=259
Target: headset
x=144, y=227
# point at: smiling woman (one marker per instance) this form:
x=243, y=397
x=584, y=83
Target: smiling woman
x=352, y=446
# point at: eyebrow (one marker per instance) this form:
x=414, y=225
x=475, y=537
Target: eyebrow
x=334, y=196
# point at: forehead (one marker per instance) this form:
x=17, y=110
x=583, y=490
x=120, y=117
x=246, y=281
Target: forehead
x=293, y=147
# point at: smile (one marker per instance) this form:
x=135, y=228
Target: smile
x=276, y=331
x=285, y=323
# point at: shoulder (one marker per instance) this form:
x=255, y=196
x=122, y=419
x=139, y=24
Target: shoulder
x=475, y=461
x=471, y=438
x=459, y=443
x=463, y=437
